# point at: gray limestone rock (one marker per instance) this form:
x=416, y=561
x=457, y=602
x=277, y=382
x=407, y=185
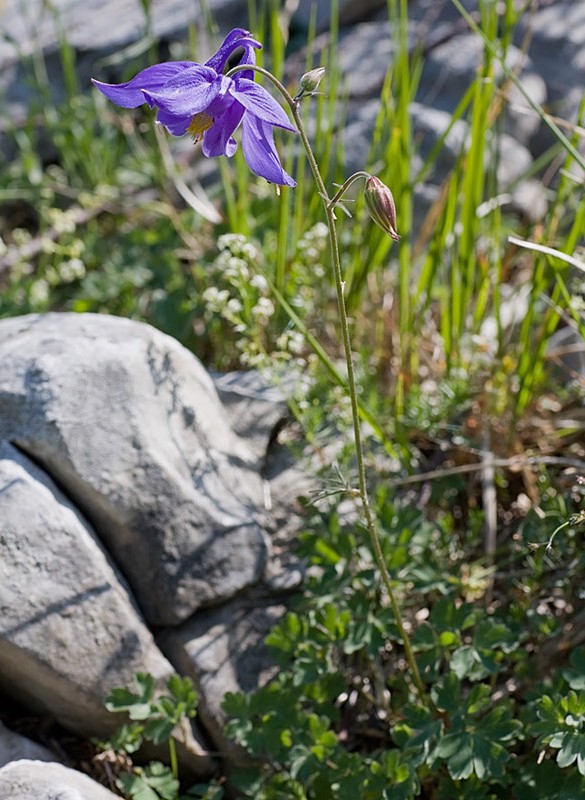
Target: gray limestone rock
x=557, y=51
x=223, y=651
x=451, y=67
x=69, y=630
x=349, y=12
x=254, y=407
x=13, y=747
x=36, y=780
x=129, y=425
x=137, y=495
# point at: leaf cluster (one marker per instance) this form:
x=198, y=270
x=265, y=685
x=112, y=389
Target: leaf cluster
x=341, y=717
x=153, y=717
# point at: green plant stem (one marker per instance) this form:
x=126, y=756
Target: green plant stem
x=345, y=186
x=173, y=758
x=351, y=383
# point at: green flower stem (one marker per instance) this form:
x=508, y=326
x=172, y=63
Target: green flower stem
x=343, y=189
x=340, y=286
x=173, y=758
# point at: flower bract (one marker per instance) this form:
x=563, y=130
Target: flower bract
x=199, y=99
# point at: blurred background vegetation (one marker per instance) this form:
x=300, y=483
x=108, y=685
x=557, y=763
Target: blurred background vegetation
x=475, y=426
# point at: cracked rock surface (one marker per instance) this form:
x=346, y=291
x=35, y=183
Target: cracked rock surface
x=132, y=514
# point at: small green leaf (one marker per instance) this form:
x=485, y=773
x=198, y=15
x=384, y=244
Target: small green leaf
x=137, y=788
x=158, y=730
x=155, y=782
x=183, y=691
x=449, y=639
x=575, y=675
x=126, y=739
x=446, y=615
x=547, y=710
x=569, y=749
x=138, y=705
x=359, y=635
x=576, y=704
x=464, y=661
x=424, y=638
x=447, y=693
x=491, y=634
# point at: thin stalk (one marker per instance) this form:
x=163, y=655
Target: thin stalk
x=351, y=382
x=173, y=758
x=345, y=186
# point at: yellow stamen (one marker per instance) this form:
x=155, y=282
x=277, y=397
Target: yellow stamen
x=199, y=124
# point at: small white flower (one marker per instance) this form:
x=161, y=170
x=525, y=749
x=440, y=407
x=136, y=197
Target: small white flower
x=231, y=241
x=71, y=270
x=234, y=306
x=263, y=309
x=215, y=299
x=237, y=268
x=250, y=252
x=210, y=294
x=259, y=282
x=62, y=221
x=39, y=293
x=296, y=343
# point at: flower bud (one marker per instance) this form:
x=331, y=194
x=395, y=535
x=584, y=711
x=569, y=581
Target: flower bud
x=380, y=205
x=310, y=81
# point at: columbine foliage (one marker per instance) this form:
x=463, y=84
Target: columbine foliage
x=153, y=717
x=155, y=782
x=561, y=726
x=339, y=715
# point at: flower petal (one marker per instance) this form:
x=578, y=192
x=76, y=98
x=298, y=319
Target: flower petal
x=190, y=92
x=218, y=140
x=176, y=125
x=259, y=102
x=235, y=39
x=129, y=95
x=223, y=99
x=260, y=152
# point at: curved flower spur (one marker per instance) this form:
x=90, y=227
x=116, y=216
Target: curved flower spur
x=199, y=99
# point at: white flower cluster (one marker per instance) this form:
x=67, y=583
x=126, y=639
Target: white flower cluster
x=291, y=341
x=263, y=310
x=237, y=245
x=241, y=295
x=232, y=267
x=311, y=248
x=62, y=221
x=215, y=299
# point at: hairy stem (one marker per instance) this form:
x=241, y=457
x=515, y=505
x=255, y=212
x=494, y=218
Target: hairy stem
x=345, y=186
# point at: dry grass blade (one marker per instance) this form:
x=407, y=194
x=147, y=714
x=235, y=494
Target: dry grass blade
x=549, y=251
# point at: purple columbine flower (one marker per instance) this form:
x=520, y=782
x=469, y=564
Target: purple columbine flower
x=198, y=99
